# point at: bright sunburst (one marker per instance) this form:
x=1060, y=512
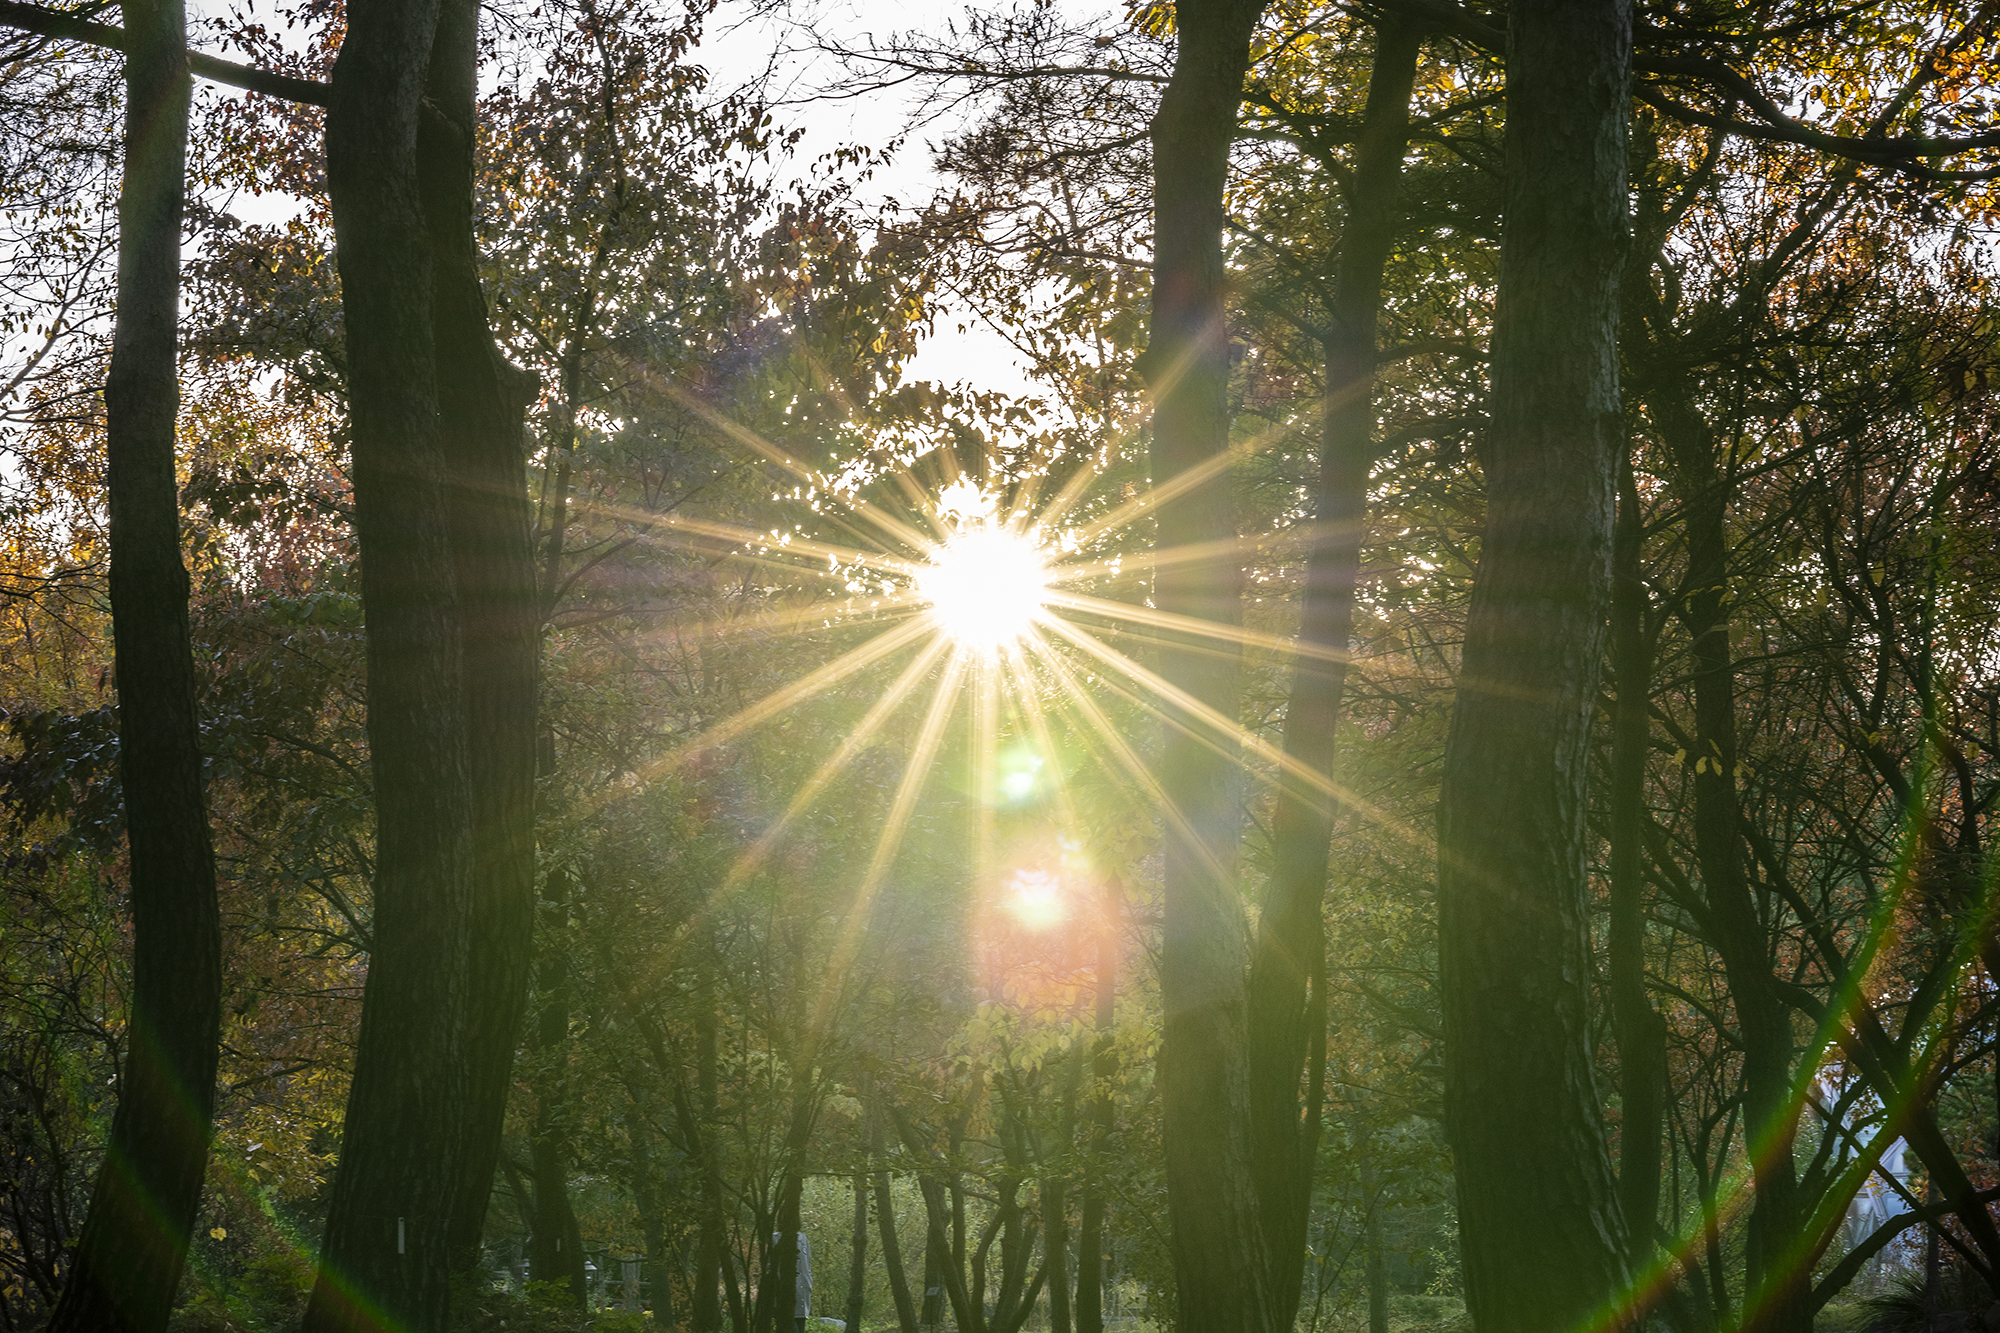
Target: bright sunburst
x=981, y=588
x=985, y=586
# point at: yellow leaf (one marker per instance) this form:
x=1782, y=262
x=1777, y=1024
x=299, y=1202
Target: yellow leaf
x=217, y=1233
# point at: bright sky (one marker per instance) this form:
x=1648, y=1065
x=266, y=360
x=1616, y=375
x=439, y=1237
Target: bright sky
x=738, y=48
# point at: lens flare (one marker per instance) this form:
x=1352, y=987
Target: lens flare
x=985, y=587
x=1036, y=899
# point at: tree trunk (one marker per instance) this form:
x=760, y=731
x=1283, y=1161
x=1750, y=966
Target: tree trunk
x=885, y=1223
x=857, y=1262
x=654, y=1266
x=134, y=1241
x=712, y=1239
x=1090, y=1235
x=1540, y=1231
x=1287, y=995
x=555, y=1252
x=384, y=1257
x=1778, y=1288
x=1217, y=1244
x=1055, y=1248
x=1377, y=1270
x=1642, y=1033
x=483, y=400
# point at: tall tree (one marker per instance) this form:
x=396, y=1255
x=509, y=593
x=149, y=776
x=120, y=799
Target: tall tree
x=1540, y=1230
x=447, y=585
x=1287, y=994
x=135, y=1238
x=1218, y=1244
x=483, y=399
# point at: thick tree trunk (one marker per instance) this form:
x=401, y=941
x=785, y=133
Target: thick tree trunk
x=781, y=1273
x=892, y=1255
x=384, y=1258
x=1218, y=1246
x=1642, y=1033
x=1055, y=1246
x=482, y=400
x=652, y=1209
x=1287, y=995
x=134, y=1241
x=1540, y=1231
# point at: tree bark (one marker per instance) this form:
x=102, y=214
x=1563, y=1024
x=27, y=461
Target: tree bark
x=1217, y=1244
x=1540, y=1231
x=1377, y=1276
x=385, y=1256
x=1089, y=1307
x=711, y=1243
x=483, y=400
x=885, y=1220
x=134, y=1241
x=1778, y=1288
x=1055, y=1246
x=1287, y=994
x=1642, y=1033
x=857, y=1261
x=555, y=1251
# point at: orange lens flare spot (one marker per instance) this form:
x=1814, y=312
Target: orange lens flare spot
x=985, y=587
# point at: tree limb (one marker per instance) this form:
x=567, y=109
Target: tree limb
x=45, y=22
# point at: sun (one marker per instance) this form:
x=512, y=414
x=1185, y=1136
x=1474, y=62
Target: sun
x=985, y=586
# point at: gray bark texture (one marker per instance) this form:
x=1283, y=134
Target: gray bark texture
x=134, y=1241
x=1218, y=1245
x=1541, y=1235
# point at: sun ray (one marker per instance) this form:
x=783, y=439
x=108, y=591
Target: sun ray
x=737, y=536
x=816, y=681
x=985, y=746
x=1019, y=677
x=914, y=493
x=1174, y=487
x=1066, y=498
x=915, y=774
x=789, y=622
x=1268, y=543
x=1122, y=751
x=1220, y=724
x=1168, y=620
x=751, y=440
x=851, y=745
